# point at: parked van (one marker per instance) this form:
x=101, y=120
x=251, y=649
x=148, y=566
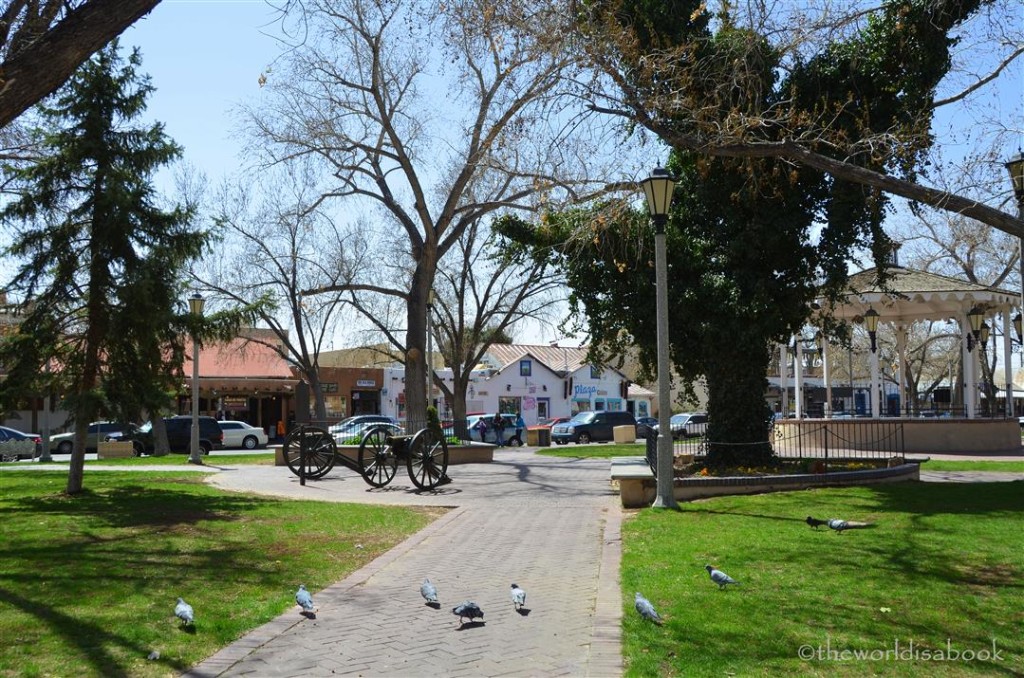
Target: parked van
x=588, y=427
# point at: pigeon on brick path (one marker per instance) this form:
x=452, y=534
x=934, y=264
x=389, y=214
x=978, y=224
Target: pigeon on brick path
x=429, y=592
x=646, y=610
x=467, y=609
x=719, y=577
x=304, y=600
x=518, y=597
x=184, y=612
x=815, y=523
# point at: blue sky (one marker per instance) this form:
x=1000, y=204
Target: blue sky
x=205, y=58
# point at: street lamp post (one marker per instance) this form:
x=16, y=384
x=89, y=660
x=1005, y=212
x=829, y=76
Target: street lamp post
x=658, y=191
x=195, y=304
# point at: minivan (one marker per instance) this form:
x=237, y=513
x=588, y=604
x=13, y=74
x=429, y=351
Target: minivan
x=586, y=427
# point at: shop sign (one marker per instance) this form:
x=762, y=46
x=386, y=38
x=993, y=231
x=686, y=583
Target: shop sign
x=581, y=391
x=365, y=383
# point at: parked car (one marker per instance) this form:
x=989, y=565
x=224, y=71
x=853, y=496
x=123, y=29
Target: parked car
x=352, y=434
x=551, y=421
x=357, y=423
x=646, y=427
x=179, y=435
x=16, y=445
x=242, y=434
x=490, y=435
x=591, y=426
x=688, y=425
x=62, y=443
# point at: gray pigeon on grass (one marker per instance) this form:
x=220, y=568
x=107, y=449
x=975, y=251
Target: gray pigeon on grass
x=840, y=525
x=646, y=610
x=304, y=600
x=468, y=609
x=184, y=612
x=719, y=577
x=429, y=592
x=518, y=597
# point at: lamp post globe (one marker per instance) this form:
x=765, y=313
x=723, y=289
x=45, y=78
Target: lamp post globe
x=195, y=305
x=658, y=189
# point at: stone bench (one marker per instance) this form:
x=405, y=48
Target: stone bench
x=638, y=487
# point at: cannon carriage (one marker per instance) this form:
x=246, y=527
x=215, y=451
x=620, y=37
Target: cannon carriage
x=312, y=452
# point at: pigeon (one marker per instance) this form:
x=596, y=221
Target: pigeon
x=646, y=610
x=815, y=523
x=153, y=656
x=518, y=597
x=183, y=611
x=840, y=525
x=468, y=609
x=428, y=591
x=719, y=577
x=303, y=599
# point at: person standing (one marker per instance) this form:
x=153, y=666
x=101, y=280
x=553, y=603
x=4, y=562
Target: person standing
x=520, y=427
x=498, y=423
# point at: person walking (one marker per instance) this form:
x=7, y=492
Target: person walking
x=498, y=424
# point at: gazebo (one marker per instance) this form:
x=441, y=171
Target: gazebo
x=907, y=296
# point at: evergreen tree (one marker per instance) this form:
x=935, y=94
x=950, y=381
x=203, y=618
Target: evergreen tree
x=101, y=261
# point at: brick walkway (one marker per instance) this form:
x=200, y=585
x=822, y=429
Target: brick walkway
x=550, y=525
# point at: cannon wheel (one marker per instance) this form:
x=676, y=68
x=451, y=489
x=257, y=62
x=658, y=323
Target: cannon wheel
x=428, y=458
x=377, y=460
x=320, y=451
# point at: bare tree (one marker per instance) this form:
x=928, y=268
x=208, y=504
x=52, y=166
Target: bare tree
x=275, y=244
x=42, y=42
x=428, y=118
x=484, y=289
x=698, y=80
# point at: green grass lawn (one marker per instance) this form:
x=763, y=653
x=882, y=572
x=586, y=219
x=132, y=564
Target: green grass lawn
x=88, y=584
x=594, y=450
x=998, y=466
x=941, y=561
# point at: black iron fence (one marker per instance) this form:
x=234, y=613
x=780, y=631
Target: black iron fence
x=815, y=439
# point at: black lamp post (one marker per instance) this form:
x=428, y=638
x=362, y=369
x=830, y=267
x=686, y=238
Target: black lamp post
x=976, y=317
x=871, y=324
x=658, y=189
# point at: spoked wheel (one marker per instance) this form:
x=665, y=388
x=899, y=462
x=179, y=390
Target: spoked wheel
x=377, y=461
x=320, y=451
x=428, y=459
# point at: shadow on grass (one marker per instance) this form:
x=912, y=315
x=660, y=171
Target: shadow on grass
x=137, y=505
x=90, y=639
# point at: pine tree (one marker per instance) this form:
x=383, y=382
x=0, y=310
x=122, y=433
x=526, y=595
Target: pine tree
x=101, y=262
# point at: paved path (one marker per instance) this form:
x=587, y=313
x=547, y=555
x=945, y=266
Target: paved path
x=548, y=524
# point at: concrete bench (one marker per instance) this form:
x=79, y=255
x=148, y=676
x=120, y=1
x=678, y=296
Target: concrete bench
x=635, y=480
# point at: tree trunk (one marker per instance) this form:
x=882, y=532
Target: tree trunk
x=161, y=447
x=737, y=410
x=319, y=400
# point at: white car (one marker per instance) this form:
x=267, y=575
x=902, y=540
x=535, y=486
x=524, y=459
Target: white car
x=241, y=434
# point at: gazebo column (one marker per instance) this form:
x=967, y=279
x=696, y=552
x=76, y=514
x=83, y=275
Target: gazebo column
x=825, y=377
x=1008, y=360
x=784, y=379
x=798, y=378
x=901, y=374
x=876, y=404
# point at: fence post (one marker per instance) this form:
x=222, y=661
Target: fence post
x=826, y=447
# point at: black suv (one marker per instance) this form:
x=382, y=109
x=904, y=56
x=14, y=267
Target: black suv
x=179, y=435
x=588, y=427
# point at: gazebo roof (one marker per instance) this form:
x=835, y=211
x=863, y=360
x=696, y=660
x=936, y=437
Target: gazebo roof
x=909, y=295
